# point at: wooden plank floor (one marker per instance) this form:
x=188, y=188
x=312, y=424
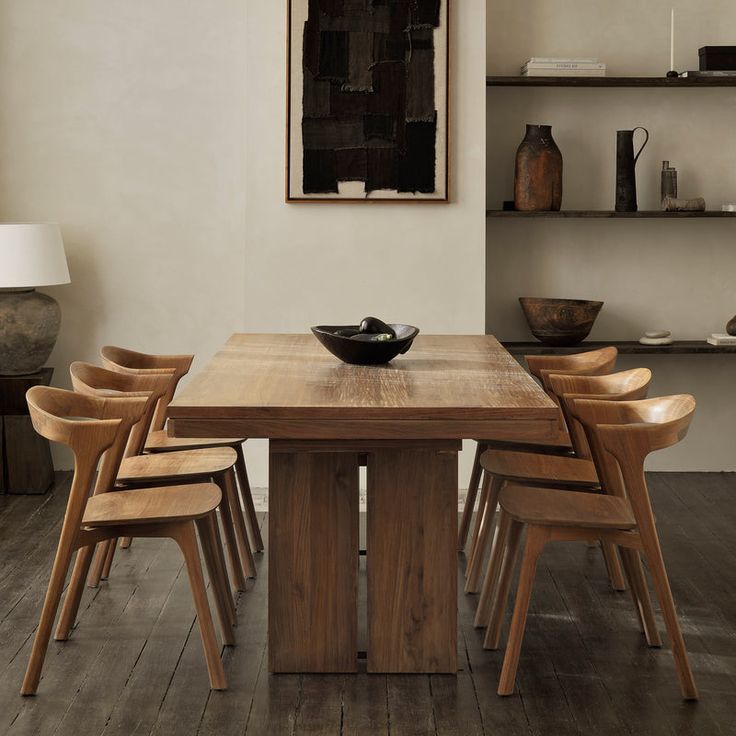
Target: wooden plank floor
x=134, y=664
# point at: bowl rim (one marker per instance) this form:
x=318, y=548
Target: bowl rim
x=329, y=330
x=558, y=301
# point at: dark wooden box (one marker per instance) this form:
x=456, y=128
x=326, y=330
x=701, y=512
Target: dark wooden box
x=717, y=58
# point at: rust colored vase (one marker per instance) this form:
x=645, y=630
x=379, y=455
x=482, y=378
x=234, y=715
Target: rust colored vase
x=538, y=181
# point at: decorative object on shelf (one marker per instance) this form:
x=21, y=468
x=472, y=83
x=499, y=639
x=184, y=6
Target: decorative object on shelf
x=560, y=322
x=708, y=75
x=672, y=72
x=717, y=58
x=731, y=327
x=718, y=338
x=728, y=208
x=671, y=204
x=538, y=176
x=669, y=182
x=30, y=256
x=626, y=169
x=367, y=101
x=656, y=337
x=372, y=342
x=551, y=67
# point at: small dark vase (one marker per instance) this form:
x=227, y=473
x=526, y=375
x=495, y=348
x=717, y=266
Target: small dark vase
x=538, y=181
x=626, y=169
x=731, y=327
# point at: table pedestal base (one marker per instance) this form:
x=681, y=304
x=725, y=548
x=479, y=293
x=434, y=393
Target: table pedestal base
x=411, y=556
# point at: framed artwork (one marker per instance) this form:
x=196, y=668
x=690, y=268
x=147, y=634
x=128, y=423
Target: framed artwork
x=368, y=101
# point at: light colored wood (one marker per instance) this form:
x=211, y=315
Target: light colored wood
x=230, y=493
x=473, y=485
x=483, y=537
x=313, y=562
x=549, y=469
x=628, y=431
x=246, y=496
x=173, y=465
x=159, y=441
x=443, y=378
x=412, y=561
x=483, y=611
x=97, y=430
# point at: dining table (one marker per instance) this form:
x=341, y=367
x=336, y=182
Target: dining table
x=405, y=422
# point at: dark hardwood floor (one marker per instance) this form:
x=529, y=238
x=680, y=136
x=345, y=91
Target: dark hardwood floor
x=134, y=664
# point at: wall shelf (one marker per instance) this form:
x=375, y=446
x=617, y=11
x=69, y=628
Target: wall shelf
x=642, y=214
x=675, y=82
x=628, y=347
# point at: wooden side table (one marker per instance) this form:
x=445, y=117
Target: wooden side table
x=25, y=460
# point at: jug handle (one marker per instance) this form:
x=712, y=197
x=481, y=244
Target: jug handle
x=646, y=140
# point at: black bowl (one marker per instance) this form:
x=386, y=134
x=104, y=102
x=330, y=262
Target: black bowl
x=358, y=352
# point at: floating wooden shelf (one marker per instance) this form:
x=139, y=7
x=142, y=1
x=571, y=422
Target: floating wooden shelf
x=629, y=347
x=609, y=214
x=675, y=82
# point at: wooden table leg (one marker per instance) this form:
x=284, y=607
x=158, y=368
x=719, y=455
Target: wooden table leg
x=412, y=560
x=313, y=560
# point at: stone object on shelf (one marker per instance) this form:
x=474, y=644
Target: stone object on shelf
x=656, y=337
x=672, y=204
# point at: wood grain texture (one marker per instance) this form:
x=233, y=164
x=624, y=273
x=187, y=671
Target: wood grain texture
x=443, y=378
x=411, y=547
x=313, y=562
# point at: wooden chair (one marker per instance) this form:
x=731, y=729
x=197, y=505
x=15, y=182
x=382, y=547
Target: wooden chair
x=186, y=466
x=590, y=363
x=621, y=436
x=576, y=471
x=130, y=361
x=95, y=428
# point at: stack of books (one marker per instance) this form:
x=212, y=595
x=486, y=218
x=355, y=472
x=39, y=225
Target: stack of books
x=718, y=338
x=547, y=67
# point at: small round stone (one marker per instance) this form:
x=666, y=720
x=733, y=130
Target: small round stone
x=657, y=334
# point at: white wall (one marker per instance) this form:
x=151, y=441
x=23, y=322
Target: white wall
x=154, y=132
x=675, y=274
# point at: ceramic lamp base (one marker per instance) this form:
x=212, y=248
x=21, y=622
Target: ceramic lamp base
x=29, y=326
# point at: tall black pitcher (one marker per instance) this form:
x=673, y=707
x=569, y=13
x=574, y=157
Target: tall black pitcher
x=626, y=169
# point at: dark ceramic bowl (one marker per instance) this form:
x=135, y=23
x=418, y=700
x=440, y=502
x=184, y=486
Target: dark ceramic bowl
x=365, y=353
x=560, y=322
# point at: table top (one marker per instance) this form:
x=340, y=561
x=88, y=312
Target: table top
x=443, y=377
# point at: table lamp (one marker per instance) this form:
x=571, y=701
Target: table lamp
x=30, y=256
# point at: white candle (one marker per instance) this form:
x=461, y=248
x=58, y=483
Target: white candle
x=672, y=41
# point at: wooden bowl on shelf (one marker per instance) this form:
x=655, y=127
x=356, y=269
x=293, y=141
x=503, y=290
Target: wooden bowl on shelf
x=560, y=322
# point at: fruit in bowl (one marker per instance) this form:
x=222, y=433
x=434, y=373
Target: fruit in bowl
x=372, y=342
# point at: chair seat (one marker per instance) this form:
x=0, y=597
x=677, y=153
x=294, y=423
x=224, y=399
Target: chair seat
x=526, y=466
x=559, y=444
x=554, y=507
x=173, y=465
x=160, y=441
x=152, y=505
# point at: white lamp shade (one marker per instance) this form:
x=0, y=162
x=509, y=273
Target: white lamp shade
x=32, y=255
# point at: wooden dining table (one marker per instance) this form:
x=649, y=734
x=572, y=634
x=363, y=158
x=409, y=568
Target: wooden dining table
x=325, y=419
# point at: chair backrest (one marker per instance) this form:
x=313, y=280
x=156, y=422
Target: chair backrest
x=93, y=428
x=153, y=385
x=622, y=434
x=622, y=386
x=131, y=361
x=590, y=363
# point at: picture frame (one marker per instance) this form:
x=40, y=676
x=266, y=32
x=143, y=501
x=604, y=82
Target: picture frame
x=368, y=101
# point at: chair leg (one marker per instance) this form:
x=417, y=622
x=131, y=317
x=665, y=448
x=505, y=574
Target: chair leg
x=535, y=542
x=640, y=596
x=48, y=614
x=125, y=543
x=215, y=529
x=98, y=563
x=475, y=571
x=186, y=538
x=247, y=496
x=109, y=558
x=483, y=611
x=655, y=563
x=498, y=610
x=228, y=531
x=217, y=584
x=613, y=565
x=485, y=488
x=473, y=485
x=241, y=533
x=74, y=593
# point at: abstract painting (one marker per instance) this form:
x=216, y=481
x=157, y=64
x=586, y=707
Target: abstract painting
x=367, y=100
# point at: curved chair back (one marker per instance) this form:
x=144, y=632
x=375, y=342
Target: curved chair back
x=590, y=363
x=622, y=386
x=93, y=380
x=130, y=361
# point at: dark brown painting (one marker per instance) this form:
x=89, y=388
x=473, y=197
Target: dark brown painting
x=368, y=100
